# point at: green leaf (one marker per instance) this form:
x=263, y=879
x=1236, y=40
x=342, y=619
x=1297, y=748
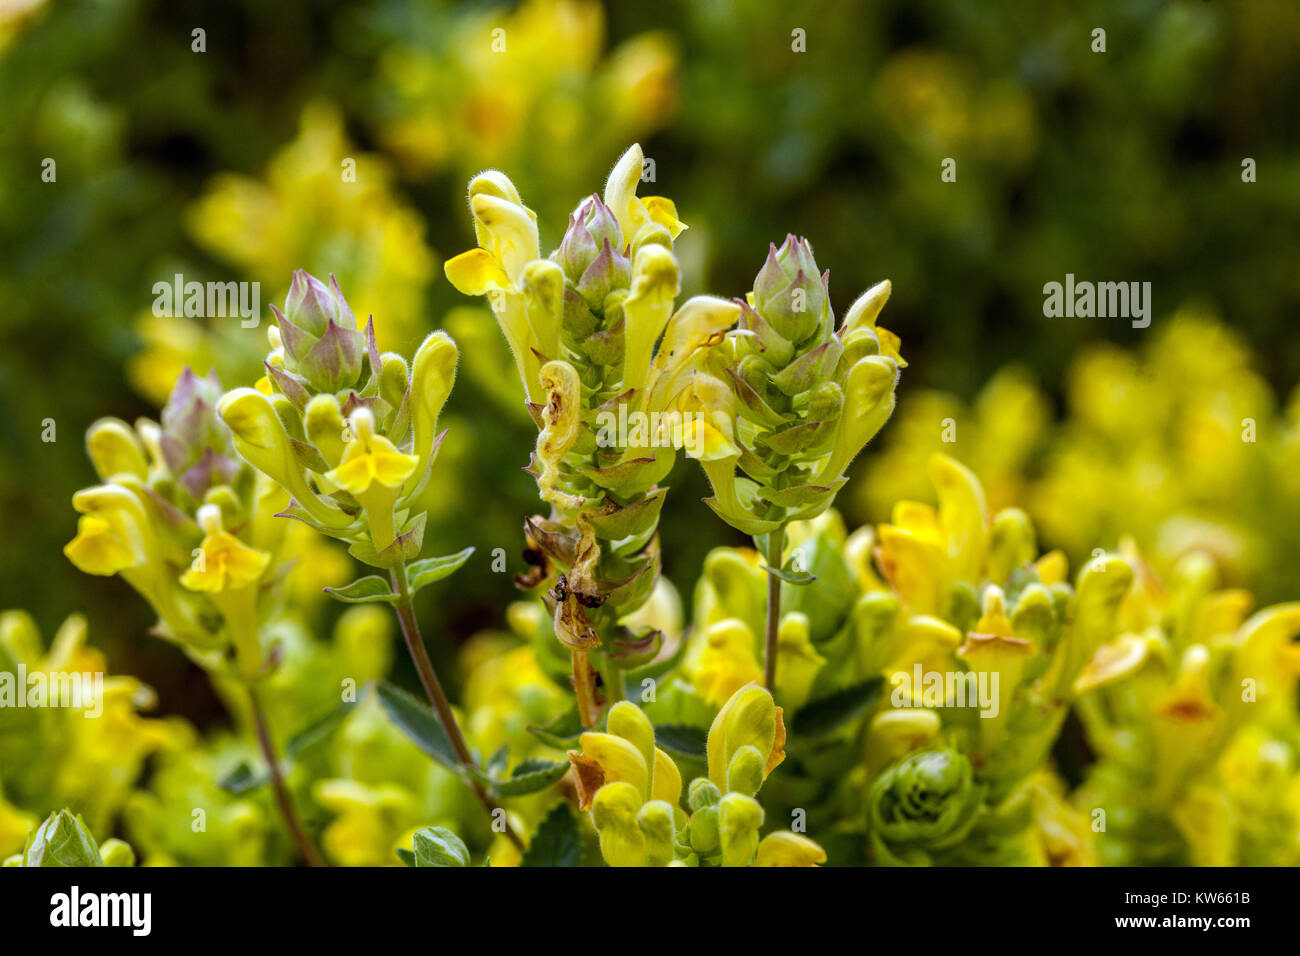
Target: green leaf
x=819, y=717
x=530, y=776
x=365, y=590
x=496, y=764
x=318, y=731
x=656, y=668
x=426, y=572
x=406, y=856
x=558, y=840
x=683, y=740
x=418, y=721
x=560, y=732
x=243, y=779
x=790, y=574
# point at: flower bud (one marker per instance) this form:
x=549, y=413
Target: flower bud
x=438, y=846
x=591, y=226
x=311, y=305
x=784, y=848
x=739, y=818
x=114, y=448
x=62, y=840
x=319, y=334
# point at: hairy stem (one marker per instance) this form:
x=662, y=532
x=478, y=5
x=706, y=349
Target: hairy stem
x=438, y=698
x=775, y=547
x=282, y=799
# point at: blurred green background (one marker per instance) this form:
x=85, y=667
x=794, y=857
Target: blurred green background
x=224, y=165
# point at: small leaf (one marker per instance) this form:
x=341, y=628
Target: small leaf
x=364, y=590
x=659, y=666
x=422, y=573
x=418, y=721
x=531, y=776
x=682, y=740
x=558, y=840
x=496, y=764
x=406, y=856
x=790, y=574
x=819, y=717
x=560, y=732
x=243, y=779
x=319, y=730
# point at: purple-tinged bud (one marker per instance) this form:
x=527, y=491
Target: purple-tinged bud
x=189, y=419
x=334, y=362
x=591, y=226
x=790, y=292
x=608, y=271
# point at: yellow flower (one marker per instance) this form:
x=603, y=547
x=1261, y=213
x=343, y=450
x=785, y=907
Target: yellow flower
x=96, y=550
x=785, y=848
x=632, y=789
x=370, y=458
x=749, y=720
x=223, y=562
x=370, y=822
x=727, y=662
x=367, y=462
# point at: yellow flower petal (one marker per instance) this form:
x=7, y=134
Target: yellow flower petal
x=370, y=460
x=890, y=344
x=476, y=272
x=664, y=211
x=667, y=779
x=95, y=550
x=224, y=562
x=620, y=760
x=785, y=848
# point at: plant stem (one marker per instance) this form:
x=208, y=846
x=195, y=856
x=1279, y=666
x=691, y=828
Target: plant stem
x=438, y=698
x=584, y=688
x=282, y=799
x=775, y=547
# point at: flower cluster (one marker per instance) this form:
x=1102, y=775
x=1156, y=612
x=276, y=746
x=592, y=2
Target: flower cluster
x=612, y=409
x=1156, y=444
x=327, y=422
x=633, y=790
x=492, y=93
x=1193, y=715
x=807, y=396
x=185, y=523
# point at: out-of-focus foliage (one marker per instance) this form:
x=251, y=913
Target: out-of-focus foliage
x=1182, y=444
x=533, y=89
